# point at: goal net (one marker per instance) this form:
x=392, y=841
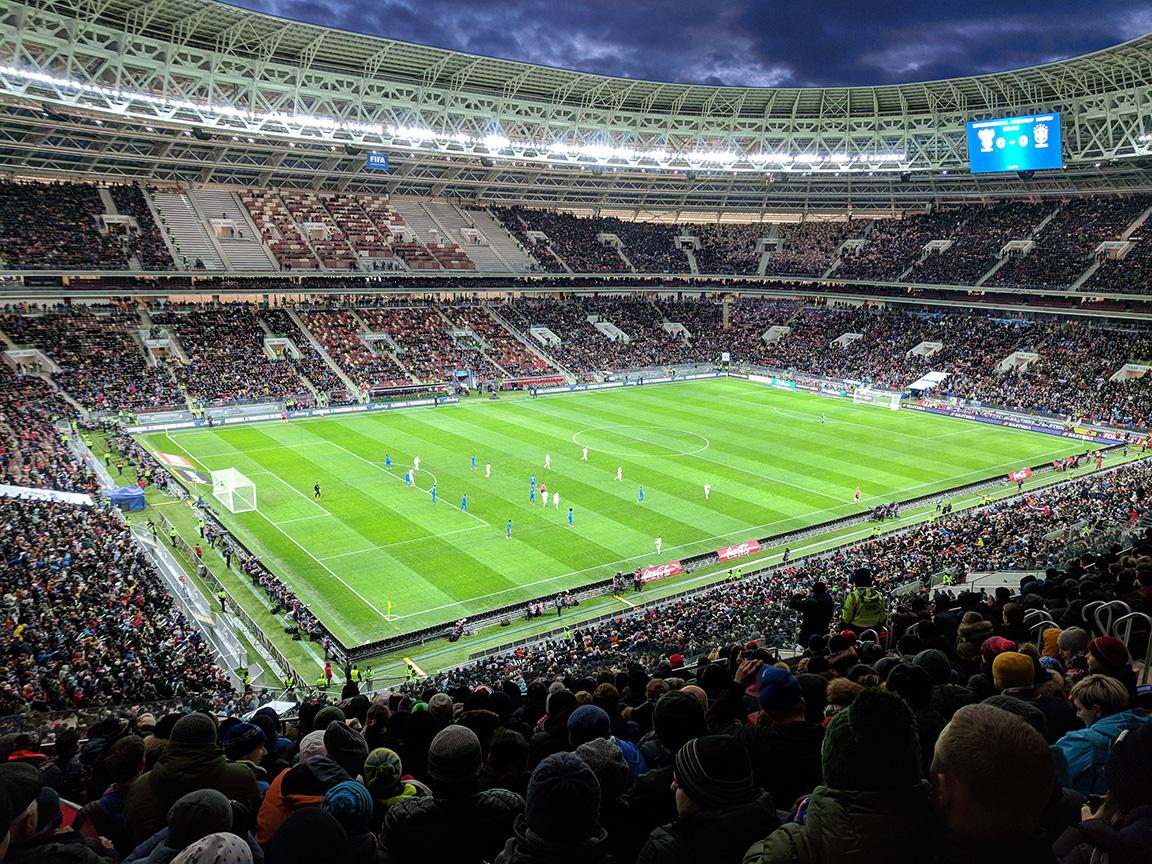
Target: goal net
x=889, y=399
x=234, y=490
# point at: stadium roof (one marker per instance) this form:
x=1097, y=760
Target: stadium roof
x=211, y=25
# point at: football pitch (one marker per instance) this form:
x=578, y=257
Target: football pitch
x=373, y=558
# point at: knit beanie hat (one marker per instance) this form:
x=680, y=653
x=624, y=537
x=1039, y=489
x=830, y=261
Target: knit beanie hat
x=350, y=803
x=1074, y=640
x=936, y=664
x=22, y=782
x=995, y=645
x=454, y=755
x=312, y=745
x=607, y=762
x=346, y=747
x=559, y=701
x=218, y=848
x=382, y=772
x=307, y=836
x=441, y=706
x=1109, y=650
x=1128, y=771
x=677, y=717
x=242, y=739
x=563, y=800
x=1028, y=712
x=194, y=729
x=588, y=722
x=1050, y=642
x=1013, y=669
x=777, y=688
x=715, y=772
x=872, y=745
x=197, y=814
x=326, y=715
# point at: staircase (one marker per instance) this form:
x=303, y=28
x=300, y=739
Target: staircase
x=189, y=237
x=245, y=252
x=530, y=344
x=503, y=244
x=452, y=223
x=353, y=390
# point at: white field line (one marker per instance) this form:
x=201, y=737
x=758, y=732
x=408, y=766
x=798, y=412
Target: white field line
x=403, y=542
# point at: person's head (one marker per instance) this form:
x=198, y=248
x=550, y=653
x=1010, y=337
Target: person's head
x=862, y=578
x=5, y=820
x=992, y=772
x=819, y=588
x=194, y=731
x=1096, y=696
x=1107, y=654
x=125, y=759
x=677, y=718
x=220, y=848
x=606, y=760
x=872, y=745
x=350, y=803
x=245, y=742
x=454, y=759
x=712, y=773
x=197, y=814
x=780, y=695
x=507, y=752
x=911, y=683
x=1128, y=772
x=1071, y=642
x=345, y=746
x=307, y=836
x=588, y=722
x=563, y=802
x=1012, y=670
x=654, y=689
x=607, y=697
x=22, y=782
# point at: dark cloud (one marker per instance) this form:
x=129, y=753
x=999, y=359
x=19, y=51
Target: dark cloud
x=745, y=42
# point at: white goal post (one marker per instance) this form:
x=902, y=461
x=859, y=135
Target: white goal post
x=889, y=399
x=234, y=490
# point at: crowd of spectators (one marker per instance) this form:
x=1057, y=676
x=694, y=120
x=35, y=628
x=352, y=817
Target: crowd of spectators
x=978, y=240
x=572, y=238
x=146, y=243
x=676, y=733
x=339, y=331
x=1065, y=246
x=50, y=226
x=808, y=248
x=502, y=348
x=1131, y=274
x=311, y=365
x=894, y=245
x=227, y=362
x=101, y=364
x=728, y=248
x=86, y=619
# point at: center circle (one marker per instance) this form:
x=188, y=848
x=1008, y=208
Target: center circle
x=640, y=441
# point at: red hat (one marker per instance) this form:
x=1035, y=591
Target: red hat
x=676, y=661
x=1109, y=650
x=848, y=634
x=994, y=645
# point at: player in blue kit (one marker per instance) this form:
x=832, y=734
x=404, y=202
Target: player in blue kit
x=433, y=493
x=641, y=495
x=508, y=530
x=464, y=503
x=473, y=461
x=569, y=517
x=532, y=495
x=388, y=461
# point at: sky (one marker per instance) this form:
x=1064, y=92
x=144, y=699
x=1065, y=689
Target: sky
x=762, y=43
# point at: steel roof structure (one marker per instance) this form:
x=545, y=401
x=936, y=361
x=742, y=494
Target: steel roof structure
x=197, y=91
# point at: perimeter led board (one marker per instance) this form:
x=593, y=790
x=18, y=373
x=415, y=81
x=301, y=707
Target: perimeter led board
x=1015, y=144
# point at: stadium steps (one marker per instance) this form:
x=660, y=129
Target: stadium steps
x=987, y=277
x=179, y=217
x=390, y=353
x=623, y=257
x=453, y=222
x=450, y=325
x=1136, y=225
x=249, y=253
x=502, y=243
x=1086, y=275
x=353, y=390
x=428, y=231
x=530, y=344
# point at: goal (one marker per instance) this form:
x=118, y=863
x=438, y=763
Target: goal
x=234, y=490
x=889, y=399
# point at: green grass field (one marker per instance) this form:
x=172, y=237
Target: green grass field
x=772, y=465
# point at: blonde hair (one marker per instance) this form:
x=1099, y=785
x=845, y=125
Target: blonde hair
x=1099, y=690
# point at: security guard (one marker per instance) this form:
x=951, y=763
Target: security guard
x=863, y=607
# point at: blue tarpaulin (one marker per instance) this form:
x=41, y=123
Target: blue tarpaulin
x=127, y=497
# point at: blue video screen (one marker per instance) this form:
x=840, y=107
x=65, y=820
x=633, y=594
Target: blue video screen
x=1015, y=144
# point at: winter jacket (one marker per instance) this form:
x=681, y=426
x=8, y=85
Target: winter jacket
x=525, y=847
x=181, y=769
x=64, y=847
x=852, y=827
x=1098, y=842
x=298, y=787
x=956, y=849
x=816, y=614
x=649, y=804
x=1086, y=750
x=553, y=738
x=785, y=758
x=155, y=850
x=468, y=829
x=715, y=836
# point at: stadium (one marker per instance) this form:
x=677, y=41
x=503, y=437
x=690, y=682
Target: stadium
x=402, y=448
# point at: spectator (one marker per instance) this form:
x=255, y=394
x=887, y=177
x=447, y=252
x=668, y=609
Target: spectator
x=1102, y=704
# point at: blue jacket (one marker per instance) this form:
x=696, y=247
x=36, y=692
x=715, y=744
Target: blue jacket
x=1086, y=750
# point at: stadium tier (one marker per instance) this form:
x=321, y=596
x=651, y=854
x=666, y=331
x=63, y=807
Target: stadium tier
x=413, y=455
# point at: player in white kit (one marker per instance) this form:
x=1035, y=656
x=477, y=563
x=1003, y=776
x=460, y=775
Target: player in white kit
x=556, y=500
x=487, y=469
x=707, y=490
x=659, y=543
x=584, y=455
x=619, y=472
x=548, y=461
x=415, y=463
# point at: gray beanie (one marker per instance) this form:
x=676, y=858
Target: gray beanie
x=196, y=815
x=196, y=729
x=1074, y=639
x=454, y=755
x=440, y=705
